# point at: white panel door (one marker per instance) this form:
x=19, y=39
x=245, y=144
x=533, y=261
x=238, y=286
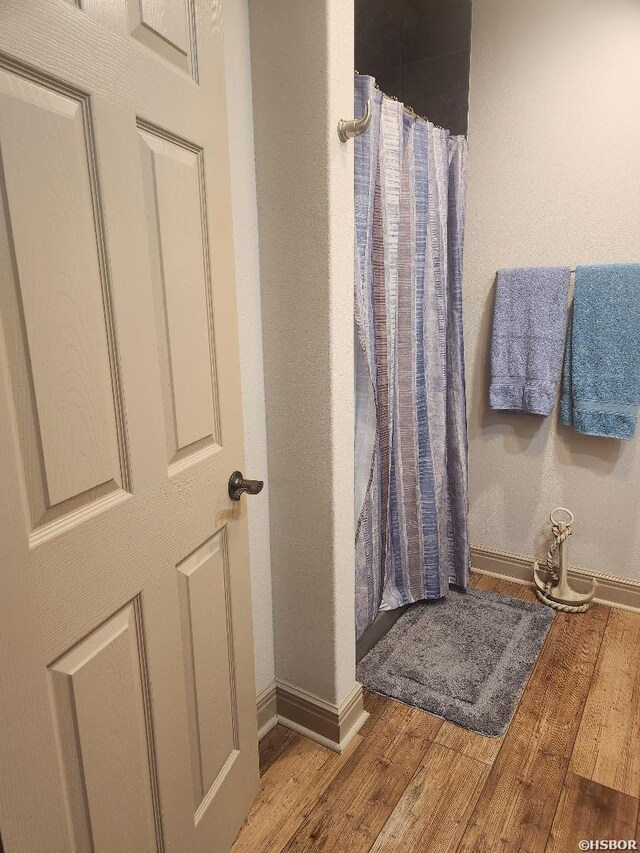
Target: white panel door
x=127, y=702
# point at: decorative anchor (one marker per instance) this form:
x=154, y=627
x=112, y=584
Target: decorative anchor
x=555, y=590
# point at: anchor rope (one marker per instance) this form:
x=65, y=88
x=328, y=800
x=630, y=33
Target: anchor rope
x=563, y=608
x=559, y=537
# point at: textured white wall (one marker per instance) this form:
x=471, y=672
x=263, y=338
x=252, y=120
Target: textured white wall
x=554, y=137
x=245, y=225
x=302, y=64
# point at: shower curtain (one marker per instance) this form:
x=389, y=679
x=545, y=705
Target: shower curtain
x=410, y=441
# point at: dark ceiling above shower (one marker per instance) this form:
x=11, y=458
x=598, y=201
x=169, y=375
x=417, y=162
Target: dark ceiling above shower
x=418, y=51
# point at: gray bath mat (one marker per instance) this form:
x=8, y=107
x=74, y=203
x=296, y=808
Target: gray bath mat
x=466, y=657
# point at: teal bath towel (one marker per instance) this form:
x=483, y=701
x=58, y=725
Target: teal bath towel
x=601, y=377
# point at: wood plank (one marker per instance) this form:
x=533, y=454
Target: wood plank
x=468, y=743
x=435, y=808
x=502, y=587
x=273, y=744
x=607, y=749
x=359, y=801
x=517, y=805
x=375, y=705
x=290, y=788
x=588, y=810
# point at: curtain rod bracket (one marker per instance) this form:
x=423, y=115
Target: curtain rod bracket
x=348, y=129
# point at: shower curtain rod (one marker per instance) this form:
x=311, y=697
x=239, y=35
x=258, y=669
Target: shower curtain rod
x=405, y=107
x=572, y=270
x=350, y=128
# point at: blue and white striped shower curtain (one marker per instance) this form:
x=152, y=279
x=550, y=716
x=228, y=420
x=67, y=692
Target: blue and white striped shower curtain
x=410, y=442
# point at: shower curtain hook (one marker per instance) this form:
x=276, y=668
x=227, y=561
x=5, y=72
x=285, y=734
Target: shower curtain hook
x=350, y=128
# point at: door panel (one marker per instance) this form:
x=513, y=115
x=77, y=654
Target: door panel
x=175, y=199
x=105, y=736
x=55, y=295
x=125, y=607
x=207, y=632
x=167, y=20
x=167, y=28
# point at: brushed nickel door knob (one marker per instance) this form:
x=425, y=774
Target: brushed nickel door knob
x=238, y=485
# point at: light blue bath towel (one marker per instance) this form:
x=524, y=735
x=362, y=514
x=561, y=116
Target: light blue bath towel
x=529, y=326
x=601, y=379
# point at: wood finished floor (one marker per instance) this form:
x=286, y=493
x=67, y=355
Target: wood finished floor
x=568, y=767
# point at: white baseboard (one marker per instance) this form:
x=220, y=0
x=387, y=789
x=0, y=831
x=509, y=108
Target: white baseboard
x=333, y=726
x=266, y=709
x=623, y=593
